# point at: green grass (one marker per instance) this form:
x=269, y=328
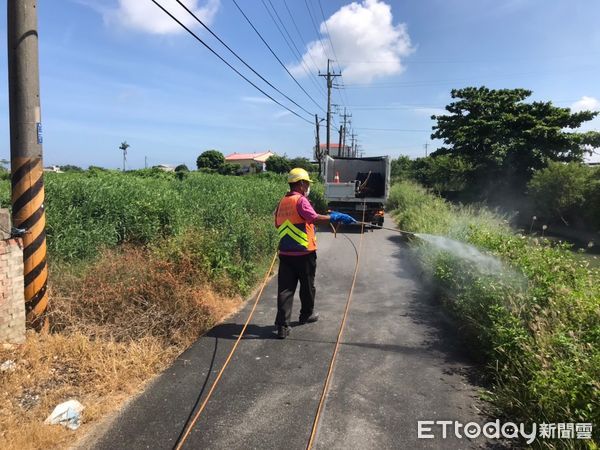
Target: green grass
x=536, y=324
x=94, y=210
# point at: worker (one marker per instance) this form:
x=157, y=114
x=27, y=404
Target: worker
x=295, y=219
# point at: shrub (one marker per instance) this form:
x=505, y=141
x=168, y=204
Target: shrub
x=535, y=322
x=559, y=191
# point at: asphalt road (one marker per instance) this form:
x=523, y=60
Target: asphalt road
x=400, y=362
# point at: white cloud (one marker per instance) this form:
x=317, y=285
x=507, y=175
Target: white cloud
x=143, y=15
x=366, y=42
x=586, y=104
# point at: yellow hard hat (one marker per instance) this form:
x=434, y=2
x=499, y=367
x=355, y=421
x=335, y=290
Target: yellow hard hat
x=298, y=174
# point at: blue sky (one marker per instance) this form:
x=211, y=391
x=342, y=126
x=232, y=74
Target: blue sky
x=114, y=70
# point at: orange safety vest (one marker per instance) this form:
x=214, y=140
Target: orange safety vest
x=295, y=234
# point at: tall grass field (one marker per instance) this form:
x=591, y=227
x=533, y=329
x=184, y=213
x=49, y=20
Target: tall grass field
x=534, y=321
x=141, y=264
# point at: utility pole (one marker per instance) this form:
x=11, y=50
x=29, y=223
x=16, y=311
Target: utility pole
x=353, y=148
x=318, y=154
x=340, y=148
x=26, y=154
x=145, y=162
x=426, y=146
x=345, y=117
x=124, y=146
x=330, y=77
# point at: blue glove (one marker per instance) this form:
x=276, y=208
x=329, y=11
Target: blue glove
x=337, y=217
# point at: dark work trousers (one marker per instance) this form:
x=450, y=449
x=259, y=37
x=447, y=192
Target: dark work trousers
x=291, y=270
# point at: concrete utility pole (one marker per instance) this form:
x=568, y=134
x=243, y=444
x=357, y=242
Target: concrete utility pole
x=318, y=155
x=345, y=117
x=352, y=147
x=330, y=77
x=124, y=146
x=26, y=153
x=426, y=146
x=340, y=148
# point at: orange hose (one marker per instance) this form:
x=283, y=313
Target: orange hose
x=191, y=424
x=315, y=426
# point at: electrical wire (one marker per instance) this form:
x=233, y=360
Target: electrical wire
x=393, y=129
x=275, y=55
x=227, y=63
x=293, y=48
x=342, y=91
x=286, y=31
x=302, y=39
x=238, y=56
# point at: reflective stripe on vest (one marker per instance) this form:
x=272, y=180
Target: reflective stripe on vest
x=295, y=235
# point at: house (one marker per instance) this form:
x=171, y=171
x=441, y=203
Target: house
x=55, y=169
x=334, y=150
x=250, y=162
x=165, y=167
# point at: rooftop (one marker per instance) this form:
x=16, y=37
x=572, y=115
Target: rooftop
x=260, y=156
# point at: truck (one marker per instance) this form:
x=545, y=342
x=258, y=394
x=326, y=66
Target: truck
x=354, y=185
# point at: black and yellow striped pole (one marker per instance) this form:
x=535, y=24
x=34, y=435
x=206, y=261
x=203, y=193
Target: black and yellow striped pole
x=26, y=153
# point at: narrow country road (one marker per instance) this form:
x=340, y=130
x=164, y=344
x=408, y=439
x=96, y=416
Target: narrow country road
x=400, y=362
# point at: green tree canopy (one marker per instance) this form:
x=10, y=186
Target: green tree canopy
x=402, y=168
x=505, y=140
x=70, y=168
x=210, y=159
x=442, y=173
x=559, y=190
x=302, y=163
x=279, y=164
x=182, y=168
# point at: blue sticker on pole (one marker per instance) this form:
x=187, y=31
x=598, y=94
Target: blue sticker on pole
x=39, y=132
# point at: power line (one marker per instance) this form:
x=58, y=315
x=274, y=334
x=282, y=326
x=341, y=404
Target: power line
x=333, y=49
x=325, y=51
x=464, y=80
x=295, y=52
x=275, y=55
x=314, y=24
x=226, y=62
x=393, y=129
x=302, y=39
x=239, y=57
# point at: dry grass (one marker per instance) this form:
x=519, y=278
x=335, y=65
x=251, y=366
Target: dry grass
x=114, y=326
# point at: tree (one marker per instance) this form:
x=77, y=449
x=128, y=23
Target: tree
x=559, y=190
x=210, y=159
x=70, y=168
x=303, y=163
x=402, y=168
x=442, y=173
x=279, y=164
x=182, y=168
x=505, y=140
